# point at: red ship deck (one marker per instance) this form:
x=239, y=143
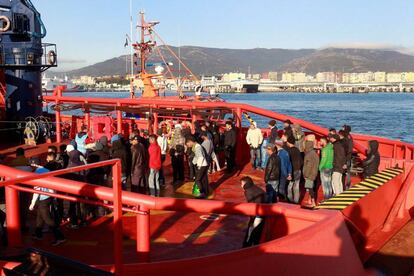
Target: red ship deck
x=174, y=235
x=179, y=235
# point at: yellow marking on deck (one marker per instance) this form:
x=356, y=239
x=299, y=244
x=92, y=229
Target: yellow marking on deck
x=360, y=190
x=353, y=198
x=385, y=174
x=374, y=182
x=392, y=175
x=380, y=178
x=358, y=187
x=370, y=185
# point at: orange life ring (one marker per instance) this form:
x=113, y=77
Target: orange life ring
x=51, y=57
x=6, y=27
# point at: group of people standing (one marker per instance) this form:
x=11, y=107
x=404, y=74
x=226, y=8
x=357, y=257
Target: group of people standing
x=291, y=157
x=199, y=152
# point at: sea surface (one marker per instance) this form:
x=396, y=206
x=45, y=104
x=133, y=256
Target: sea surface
x=383, y=114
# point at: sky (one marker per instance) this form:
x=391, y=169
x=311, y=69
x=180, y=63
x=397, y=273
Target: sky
x=90, y=31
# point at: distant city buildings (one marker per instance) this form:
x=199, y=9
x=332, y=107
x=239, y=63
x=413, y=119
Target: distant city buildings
x=229, y=77
x=268, y=81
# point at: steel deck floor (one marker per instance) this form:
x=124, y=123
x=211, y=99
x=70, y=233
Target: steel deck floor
x=176, y=235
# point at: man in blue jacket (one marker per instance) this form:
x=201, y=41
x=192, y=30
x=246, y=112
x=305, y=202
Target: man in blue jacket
x=285, y=169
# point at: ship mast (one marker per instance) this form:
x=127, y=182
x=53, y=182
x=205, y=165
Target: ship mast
x=131, y=76
x=144, y=49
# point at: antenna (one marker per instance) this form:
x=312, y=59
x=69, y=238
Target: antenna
x=131, y=28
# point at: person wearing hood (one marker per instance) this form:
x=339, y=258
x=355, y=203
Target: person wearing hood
x=348, y=144
x=299, y=137
x=254, y=139
x=119, y=151
x=310, y=170
x=253, y=194
x=139, y=165
x=296, y=159
x=104, y=142
x=372, y=162
x=177, y=151
x=338, y=164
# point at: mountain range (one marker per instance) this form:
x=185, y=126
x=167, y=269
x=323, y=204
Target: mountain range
x=209, y=61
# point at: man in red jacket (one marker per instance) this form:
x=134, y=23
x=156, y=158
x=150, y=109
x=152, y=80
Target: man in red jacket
x=154, y=151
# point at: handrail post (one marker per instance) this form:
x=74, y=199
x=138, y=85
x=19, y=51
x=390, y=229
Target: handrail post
x=116, y=186
x=87, y=118
x=119, y=119
x=58, y=123
x=239, y=117
x=14, y=234
x=58, y=92
x=143, y=234
x=193, y=119
x=155, y=123
x=394, y=153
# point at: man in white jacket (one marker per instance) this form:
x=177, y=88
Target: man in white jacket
x=254, y=139
x=201, y=163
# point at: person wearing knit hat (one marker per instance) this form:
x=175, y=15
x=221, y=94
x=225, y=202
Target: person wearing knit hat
x=70, y=148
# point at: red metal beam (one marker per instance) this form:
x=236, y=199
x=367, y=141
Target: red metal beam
x=134, y=199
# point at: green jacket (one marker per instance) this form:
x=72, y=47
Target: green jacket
x=327, y=155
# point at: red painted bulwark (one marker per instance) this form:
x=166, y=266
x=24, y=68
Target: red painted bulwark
x=317, y=250
x=369, y=214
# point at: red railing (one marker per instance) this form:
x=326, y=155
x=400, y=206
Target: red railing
x=237, y=109
x=122, y=200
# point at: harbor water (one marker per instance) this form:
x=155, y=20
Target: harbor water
x=383, y=114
